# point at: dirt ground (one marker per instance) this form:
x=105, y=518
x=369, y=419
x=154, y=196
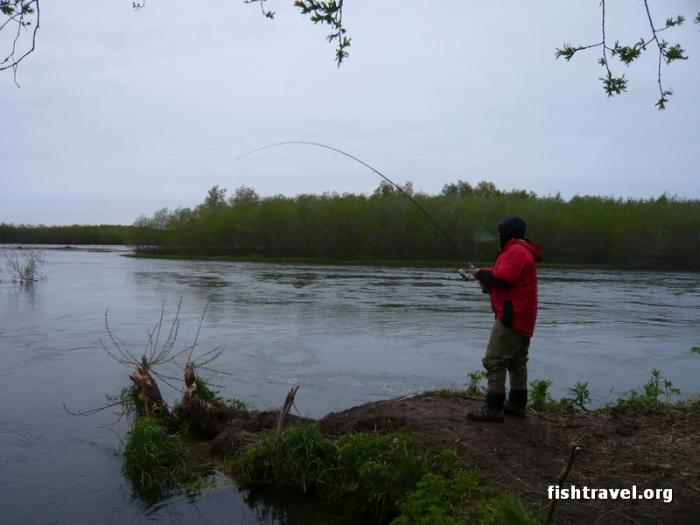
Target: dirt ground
x=619, y=449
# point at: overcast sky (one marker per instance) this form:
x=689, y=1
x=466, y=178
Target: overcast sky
x=121, y=113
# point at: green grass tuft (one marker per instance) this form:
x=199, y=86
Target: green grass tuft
x=156, y=460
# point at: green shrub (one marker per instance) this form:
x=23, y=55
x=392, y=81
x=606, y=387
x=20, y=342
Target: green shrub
x=299, y=457
x=656, y=387
x=376, y=471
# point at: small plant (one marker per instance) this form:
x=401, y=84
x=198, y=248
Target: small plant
x=205, y=392
x=580, y=396
x=539, y=394
x=657, y=386
x=695, y=350
x=474, y=386
x=24, y=266
x=236, y=403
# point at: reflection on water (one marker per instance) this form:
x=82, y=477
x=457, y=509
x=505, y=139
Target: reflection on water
x=346, y=334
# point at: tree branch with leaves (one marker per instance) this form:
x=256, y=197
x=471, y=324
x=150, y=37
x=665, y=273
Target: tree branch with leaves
x=616, y=85
x=19, y=17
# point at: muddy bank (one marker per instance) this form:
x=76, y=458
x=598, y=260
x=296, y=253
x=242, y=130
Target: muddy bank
x=619, y=449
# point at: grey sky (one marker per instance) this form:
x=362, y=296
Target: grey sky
x=122, y=113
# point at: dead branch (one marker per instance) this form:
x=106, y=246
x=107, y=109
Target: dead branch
x=286, y=407
x=91, y=411
x=562, y=478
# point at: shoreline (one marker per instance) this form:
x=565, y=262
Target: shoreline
x=649, y=447
x=393, y=263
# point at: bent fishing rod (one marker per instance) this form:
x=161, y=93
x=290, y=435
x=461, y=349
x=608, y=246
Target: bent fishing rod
x=463, y=274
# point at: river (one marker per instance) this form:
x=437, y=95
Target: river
x=345, y=334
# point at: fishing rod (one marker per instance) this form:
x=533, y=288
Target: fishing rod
x=463, y=274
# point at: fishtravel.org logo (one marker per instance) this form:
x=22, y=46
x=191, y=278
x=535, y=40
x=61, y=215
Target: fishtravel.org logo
x=572, y=492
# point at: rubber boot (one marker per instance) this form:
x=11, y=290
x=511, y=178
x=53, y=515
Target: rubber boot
x=517, y=402
x=491, y=412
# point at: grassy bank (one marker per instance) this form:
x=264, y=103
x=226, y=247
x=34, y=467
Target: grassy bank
x=387, y=478
x=418, y=461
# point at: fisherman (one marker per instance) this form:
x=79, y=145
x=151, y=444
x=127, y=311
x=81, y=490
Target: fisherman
x=512, y=287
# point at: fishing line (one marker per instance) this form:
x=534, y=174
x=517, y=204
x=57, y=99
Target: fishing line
x=399, y=188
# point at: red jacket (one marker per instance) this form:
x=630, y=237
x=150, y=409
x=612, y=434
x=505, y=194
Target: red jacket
x=516, y=304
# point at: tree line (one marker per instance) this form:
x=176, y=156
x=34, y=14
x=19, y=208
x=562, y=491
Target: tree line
x=656, y=232
x=76, y=234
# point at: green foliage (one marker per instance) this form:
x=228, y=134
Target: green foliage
x=663, y=99
x=438, y=500
x=508, y=510
x=539, y=394
x=365, y=473
x=566, y=52
x=236, y=403
x=580, y=396
x=584, y=230
x=375, y=471
x=670, y=22
x=695, y=350
x=129, y=401
x=156, y=459
x=270, y=461
x=674, y=52
x=657, y=390
x=474, y=386
x=205, y=392
x=331, y=14
x=377, y=476
x=613, y=85
x=64, y=235
x=628, y=54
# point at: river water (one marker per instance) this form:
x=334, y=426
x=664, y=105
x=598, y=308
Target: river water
x=346, y=335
